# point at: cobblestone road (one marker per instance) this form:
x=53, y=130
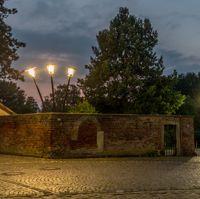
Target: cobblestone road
x=100, y=178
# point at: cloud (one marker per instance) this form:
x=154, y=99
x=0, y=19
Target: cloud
x=174, y=60
x=63, y=31
x=178, y=31
x=56, y=43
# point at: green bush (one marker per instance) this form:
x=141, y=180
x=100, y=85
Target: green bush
x=83, y=107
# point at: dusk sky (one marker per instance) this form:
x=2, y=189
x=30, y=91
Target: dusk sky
x=62, y=32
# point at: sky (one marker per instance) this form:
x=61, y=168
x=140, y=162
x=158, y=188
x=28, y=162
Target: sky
x=62, y=32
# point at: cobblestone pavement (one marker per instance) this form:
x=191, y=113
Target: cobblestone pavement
x=134, y=178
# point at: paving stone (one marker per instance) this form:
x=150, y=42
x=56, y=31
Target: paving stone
x=99, y=178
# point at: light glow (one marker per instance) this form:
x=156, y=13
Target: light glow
x=51, y=69
x=70, y=71
x=31, y=72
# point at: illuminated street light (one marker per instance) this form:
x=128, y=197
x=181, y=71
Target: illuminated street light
x=51, y=70
x=70, y=73
x=32, y=73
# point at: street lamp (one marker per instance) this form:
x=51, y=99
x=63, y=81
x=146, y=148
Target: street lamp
x=31, y=72
x=70, y=73
x=51, y=69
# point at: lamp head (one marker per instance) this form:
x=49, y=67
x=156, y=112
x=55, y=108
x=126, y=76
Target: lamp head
x=31, y=72
x=70, y=71
x=51, y=69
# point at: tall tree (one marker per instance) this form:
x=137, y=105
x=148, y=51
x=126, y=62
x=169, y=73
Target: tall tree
x=13, y=97
x=30, y=105
x=125, y=74
x=73, y=97
x=8, y=45
x=189, y=85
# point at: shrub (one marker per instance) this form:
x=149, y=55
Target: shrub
x=83, y=107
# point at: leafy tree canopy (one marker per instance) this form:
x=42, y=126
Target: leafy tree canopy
x=83, y=107
x=73, y=97
x=13, y=97
x=8, y=45
x=125, y=74
x=189, y=85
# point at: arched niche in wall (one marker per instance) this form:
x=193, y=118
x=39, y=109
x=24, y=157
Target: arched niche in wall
x=87, y=134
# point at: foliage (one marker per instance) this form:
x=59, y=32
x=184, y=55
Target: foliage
x=8, y=45
x=160, y=96
x=30, y=105
x=13, y=97
x=83, y=107
x=189, y=85
x=125, y=74
x=73, y=97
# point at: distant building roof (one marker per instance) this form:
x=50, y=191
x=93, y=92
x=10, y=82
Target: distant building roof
x=4, y=110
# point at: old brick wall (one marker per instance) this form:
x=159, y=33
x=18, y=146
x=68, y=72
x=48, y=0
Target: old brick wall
x=187, y=136
x=72, y=135
x=25, y=134
x=131, y=134
x=75, y=134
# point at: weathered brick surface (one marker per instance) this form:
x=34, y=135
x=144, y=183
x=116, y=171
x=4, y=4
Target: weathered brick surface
x=25, y=134
x=72, y=135
x=87, y=136
x=134, y=132
x=187, y=136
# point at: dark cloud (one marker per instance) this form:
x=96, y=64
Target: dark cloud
x=56, y=43
x=176, y=61
x=63, y=32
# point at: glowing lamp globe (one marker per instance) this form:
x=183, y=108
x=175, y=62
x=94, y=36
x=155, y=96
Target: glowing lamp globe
x=51, y=69
x=71, y=71
x=31, y=72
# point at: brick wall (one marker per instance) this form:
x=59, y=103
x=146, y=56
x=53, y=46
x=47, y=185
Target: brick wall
x=72, y=135
x=25, y=134
x=187, y=136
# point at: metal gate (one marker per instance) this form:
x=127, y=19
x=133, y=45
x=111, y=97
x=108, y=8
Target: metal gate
x=197, y=141
x=170, y=140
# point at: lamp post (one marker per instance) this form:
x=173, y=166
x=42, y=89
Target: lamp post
x=70, y=73
x=31, y=72
x=51, y=69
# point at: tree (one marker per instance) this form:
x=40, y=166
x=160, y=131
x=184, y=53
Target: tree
x=73, y=97
x=8, y=45
x=13, y=97
x=83, y=107
x=189, y=85
x=160, y=96
x=125, y=74
x=30, y=105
